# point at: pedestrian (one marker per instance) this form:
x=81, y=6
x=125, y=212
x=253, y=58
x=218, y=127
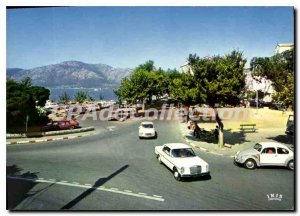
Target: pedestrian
x=196, y=130
x=216, y=132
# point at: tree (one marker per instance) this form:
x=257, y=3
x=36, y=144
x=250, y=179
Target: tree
x=20, y=102
x=64, y=98
x=80, y=96
x=215, y=80
x=278, y=68
x=27, y=82
x=147, y=66
x=101, y=97
x=143, y=83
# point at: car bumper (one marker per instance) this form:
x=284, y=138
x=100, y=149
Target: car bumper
x=147, y=135
x=195, y=175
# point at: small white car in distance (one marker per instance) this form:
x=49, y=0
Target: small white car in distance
x=181, y=159
x=147, y=130
x=266, y=154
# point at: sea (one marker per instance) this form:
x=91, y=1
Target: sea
x=107, y=93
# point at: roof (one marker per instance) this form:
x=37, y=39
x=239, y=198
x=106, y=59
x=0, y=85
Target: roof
x=285, y=45
x=147, y=122
x=177, y=145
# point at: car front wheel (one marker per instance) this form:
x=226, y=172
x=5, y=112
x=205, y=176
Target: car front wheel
x=177, y=175
x=250, y=164
x=290, y=165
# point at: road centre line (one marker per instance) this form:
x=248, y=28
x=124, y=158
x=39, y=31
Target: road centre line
x=140, y=195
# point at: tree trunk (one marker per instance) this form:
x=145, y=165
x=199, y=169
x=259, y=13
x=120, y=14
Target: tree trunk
x=221, y=139
x=221, y=126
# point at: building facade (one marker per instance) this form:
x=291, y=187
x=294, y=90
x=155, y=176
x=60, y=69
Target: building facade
x=280, y=48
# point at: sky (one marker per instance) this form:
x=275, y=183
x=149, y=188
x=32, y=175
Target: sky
x=128, y=36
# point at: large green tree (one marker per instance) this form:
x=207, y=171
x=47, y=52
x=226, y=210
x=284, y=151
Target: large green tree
x=143, y=83
x=278, y=68
x=21, y=102
x=212, y=80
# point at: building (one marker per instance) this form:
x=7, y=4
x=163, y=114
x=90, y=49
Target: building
x=258, y=83
x=280, y=48
x=186, y=68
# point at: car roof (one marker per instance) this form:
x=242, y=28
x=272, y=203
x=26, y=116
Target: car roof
x=272, y=144
x=177, y=145
x=147, y=122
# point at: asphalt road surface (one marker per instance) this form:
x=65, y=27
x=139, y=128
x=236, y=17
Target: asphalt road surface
x=114, y=170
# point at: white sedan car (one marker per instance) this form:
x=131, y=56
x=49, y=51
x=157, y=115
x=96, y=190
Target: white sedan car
x=266, y=154
x=181, y=159
x=147, y=130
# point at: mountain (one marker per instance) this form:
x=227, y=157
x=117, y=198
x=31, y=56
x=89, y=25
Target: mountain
x=71, y=74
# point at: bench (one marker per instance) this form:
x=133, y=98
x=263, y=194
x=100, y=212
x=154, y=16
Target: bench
x=248, y=127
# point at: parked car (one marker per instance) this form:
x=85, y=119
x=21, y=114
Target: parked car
x=276, y=106
x=290, y=125
x=50, y=127
x=147, y=130
x=181, y=160
x=266, y=154
x=60, y=125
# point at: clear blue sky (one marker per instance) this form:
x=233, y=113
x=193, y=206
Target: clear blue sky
x=129, y=36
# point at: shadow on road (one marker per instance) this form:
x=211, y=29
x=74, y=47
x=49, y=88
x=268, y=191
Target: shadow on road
x=18, y=190
x=96, y=185
x=230, y=137
x=283, y=139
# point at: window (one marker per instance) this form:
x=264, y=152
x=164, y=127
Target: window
x=282, y=151
x=257, y=147
x=268, y=151
x=166, y=150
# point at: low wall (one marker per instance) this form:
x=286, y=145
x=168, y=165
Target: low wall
x=49, y=133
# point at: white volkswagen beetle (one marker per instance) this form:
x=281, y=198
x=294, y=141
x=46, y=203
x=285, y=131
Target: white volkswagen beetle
x=182, y=160
x=266, y=154
x=147, y=130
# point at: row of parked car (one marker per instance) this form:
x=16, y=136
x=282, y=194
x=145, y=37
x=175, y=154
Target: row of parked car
x=181, y=159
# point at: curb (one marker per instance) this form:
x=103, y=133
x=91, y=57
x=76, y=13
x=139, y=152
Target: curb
x=47, y=140
x=206, y=150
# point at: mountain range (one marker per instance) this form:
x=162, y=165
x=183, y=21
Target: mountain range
x=71, y=74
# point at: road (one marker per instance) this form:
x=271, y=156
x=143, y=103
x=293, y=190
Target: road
x=114, y=170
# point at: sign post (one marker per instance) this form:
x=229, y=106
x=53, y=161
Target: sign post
x=27, y=118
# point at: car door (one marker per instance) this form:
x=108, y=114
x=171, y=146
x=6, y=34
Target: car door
x=268, y=156
x=166, y=158
x=282, y=155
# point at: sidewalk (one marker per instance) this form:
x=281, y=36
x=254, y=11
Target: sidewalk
x=237, y=140
x=50, y=138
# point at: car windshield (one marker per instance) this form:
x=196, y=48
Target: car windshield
x=187, y=152
x=147, y=125
x=257, y=147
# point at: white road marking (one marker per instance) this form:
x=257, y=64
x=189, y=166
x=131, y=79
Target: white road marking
x=128, y=191
x=41, y=178
x=63, y=181
x=75, y=183
x=88, y=184
x=114, y=188
x=157, y=196
x=140, y=195
x=52, y=180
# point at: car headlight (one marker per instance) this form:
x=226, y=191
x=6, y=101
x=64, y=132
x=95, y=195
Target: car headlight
x=182, y=169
